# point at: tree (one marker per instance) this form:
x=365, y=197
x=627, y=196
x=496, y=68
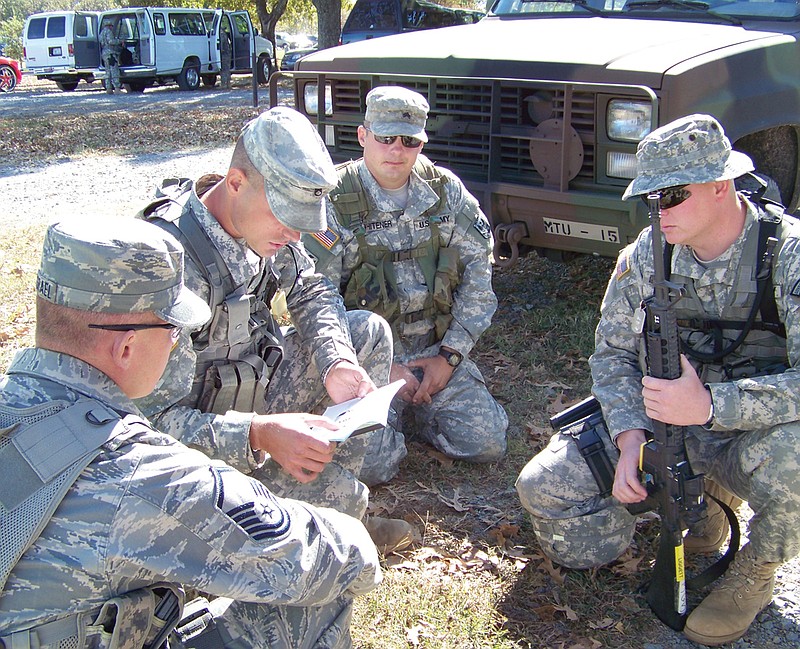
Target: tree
x=329, y=22
x=268, y=19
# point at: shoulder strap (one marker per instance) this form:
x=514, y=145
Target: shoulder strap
x=41, y=461
x=348, y=197
x=431, y=174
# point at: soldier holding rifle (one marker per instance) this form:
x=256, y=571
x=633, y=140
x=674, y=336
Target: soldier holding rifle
x=733, y=257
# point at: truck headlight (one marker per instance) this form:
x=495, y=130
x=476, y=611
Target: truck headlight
x=311, y=96
x=628, y=120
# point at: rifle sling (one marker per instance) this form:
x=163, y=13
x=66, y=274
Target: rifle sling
x=717, y=569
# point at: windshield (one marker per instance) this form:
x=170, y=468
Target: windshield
x=763, y=9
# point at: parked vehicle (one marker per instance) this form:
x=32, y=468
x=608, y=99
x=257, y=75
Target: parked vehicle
x=165, y=44
x=539, y=107
x=62, y=46
x=10, y=74
x=290, y=59
x=374, y=18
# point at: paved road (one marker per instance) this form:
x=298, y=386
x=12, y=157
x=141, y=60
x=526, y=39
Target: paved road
x=34, y=98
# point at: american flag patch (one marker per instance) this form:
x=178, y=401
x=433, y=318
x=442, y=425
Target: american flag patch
x=623, y=266
x=328, y=238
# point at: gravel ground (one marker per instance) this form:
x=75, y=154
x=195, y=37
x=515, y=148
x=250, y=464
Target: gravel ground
x=119, y=185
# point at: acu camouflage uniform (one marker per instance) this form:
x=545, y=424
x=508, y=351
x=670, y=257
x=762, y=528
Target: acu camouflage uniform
x=110, y=51
x=463, y=421
x=315, y=344
x=751, y=447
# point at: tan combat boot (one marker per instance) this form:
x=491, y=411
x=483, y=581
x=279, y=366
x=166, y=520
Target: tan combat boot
x=389, y=534
x=729, y=610
x=717, y=525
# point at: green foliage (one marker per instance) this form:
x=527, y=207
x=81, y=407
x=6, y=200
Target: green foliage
x=11, y=35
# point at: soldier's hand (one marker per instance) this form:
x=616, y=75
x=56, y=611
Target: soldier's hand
x=348, y=381
x=684, y=401
x=436, y=374
x=292, y=442
x=406, y=393
x=628, y=487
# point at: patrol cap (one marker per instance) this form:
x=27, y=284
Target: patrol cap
x=117, y=266
x=298, y=171
x=692, y=149
x=394, y=110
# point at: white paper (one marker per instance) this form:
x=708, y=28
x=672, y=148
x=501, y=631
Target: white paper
x=370, y=411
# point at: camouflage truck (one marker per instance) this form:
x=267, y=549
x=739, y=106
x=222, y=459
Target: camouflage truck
x=539, y=106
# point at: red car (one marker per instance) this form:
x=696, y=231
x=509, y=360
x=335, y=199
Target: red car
x=10, y=74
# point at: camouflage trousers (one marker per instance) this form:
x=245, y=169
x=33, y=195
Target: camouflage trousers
x=463, y=420
x=111, y=64
x=246, y=625
x=296, y=387
x=579, y=529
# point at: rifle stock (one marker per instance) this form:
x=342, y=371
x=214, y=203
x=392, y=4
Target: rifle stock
x=673, y=489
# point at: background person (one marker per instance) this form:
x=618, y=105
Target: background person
x=140, y=514
x=110, y=52
x=738, y=401
x=406, y=240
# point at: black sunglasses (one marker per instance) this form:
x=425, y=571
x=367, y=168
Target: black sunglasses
x=175, y=330
x=670, y=196
x=407, y=141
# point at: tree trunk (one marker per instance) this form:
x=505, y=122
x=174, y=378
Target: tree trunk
x=268, y=20
x=329, y=22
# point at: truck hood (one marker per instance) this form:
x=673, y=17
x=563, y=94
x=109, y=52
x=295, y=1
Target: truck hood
x=623, y=50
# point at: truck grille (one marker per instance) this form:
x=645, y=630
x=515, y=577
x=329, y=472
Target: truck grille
x=481, y=129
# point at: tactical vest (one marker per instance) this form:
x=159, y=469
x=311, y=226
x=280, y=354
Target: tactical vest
x=739, y=343
x=42, y=457
x=373, y=284
x=241, y=347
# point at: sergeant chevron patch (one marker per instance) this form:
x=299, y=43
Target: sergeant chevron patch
x=249, y=504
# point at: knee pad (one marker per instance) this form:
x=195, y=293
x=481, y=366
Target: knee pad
x=586, y=541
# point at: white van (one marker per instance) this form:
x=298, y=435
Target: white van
x=164, y=44
x=62, y=46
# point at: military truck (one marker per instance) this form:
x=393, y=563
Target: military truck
x=539, y=106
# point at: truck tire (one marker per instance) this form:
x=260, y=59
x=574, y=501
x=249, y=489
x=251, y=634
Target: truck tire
x=776, y=154
x=264, y=68
x=189, y=77
x=8, y=80
x=209, y=80
x=67, y=86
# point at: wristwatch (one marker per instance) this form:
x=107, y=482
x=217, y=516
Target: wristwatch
x=452, y=357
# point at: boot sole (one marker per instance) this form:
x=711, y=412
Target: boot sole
x=712, y=641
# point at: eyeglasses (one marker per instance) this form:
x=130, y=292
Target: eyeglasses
x=407, y=141
x=670, y=196
x=174, y=330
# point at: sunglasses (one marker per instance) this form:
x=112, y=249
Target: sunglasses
x=670, y=196
x=174, y=332
x=407, y=141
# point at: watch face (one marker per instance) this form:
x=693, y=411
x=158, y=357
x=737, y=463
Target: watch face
x=452, y=358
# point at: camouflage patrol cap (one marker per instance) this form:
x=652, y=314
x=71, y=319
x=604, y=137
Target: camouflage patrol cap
x=298, y=171
x=689, y=150
x=117, y=266
x=394, y=110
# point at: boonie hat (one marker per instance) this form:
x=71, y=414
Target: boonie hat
x=298, y=171
x=117, y=266
x=689, y=150
x=394, y=110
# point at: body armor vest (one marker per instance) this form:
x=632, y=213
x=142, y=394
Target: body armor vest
x=42, y=456
x=240, y=348
x=373, y=284
x=763, y=348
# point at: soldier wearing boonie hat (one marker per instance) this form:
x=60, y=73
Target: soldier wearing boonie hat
x=101, y=512
x=690, y=150
x=395, y=110
x=241, y=389
x=733, y=259
x=297, y=169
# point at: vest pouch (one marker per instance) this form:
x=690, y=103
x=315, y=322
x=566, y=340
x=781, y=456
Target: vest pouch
x=445, y=280
x=123, y=622
x=367, y=289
